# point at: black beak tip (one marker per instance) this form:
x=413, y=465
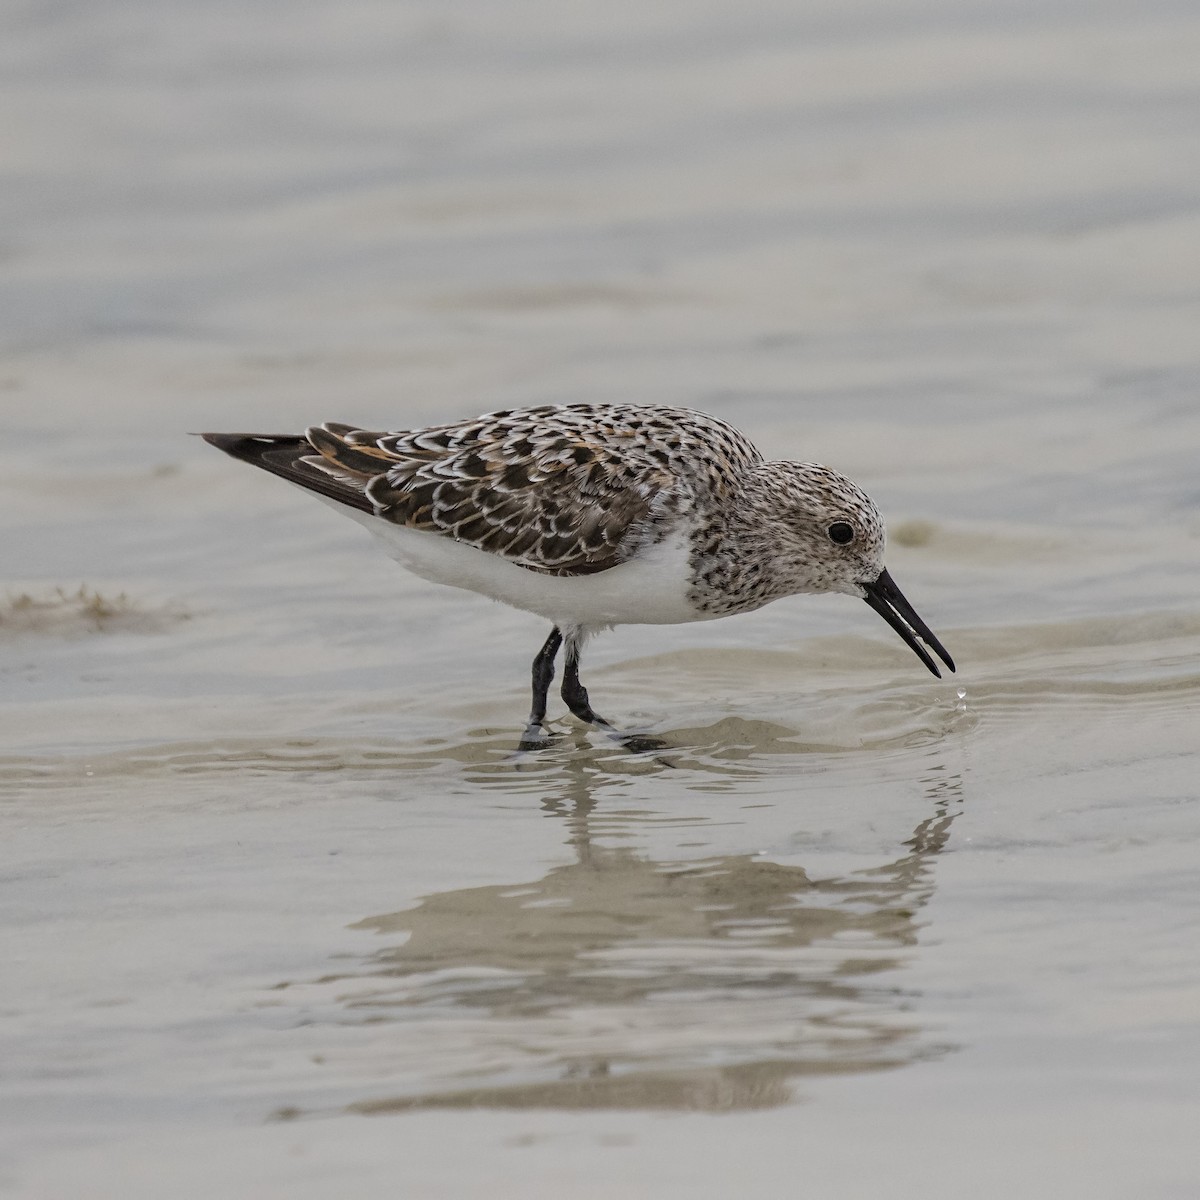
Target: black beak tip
x=933, y=667
x=890, y=603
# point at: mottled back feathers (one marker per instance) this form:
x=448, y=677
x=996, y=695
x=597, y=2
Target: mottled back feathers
x=561, y=489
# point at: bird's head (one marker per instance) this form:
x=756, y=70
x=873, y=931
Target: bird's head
x=833, y=538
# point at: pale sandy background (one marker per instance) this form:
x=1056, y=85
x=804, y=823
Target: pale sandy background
x=280, y=916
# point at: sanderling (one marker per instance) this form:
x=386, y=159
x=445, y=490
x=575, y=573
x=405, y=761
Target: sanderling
x=595, y=515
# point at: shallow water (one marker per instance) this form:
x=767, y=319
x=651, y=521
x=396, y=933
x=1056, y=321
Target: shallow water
x=284, y=912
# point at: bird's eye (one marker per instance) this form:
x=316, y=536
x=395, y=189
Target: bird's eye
x=841, y=532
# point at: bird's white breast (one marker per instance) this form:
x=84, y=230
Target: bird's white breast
x=650, y=589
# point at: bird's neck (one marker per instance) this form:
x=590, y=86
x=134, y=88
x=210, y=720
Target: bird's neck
x=735, y=555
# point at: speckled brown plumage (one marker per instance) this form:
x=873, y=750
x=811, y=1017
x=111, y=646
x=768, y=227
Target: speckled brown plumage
x=563, y=489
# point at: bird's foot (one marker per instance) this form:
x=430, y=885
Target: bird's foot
x=638, y=743
x=633, y=743
x=535, y=737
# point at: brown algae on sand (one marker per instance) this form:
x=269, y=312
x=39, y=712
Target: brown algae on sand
x=64, y=613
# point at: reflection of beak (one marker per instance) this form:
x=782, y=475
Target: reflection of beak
x=889, y=602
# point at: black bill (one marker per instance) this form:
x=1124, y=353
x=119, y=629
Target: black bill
x=889, y=602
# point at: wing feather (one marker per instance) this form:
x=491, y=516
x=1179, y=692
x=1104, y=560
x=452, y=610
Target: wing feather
x=562, y=489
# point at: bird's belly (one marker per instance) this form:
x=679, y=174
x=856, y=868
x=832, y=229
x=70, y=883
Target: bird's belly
x=649, y=590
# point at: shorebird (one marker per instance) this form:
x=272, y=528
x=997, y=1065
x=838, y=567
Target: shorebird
x=595, y=515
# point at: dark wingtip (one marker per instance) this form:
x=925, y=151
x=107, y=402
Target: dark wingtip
x=223, y=441
x=283, y=455
x=250, y=447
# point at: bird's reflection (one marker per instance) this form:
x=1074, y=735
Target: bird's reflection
x=617, y=981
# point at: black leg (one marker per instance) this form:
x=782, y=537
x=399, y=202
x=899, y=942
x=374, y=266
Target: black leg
x=543, y=676
x=575, y=695
x=573, y=692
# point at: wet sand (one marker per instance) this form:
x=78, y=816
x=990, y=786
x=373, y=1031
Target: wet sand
x=285, y=915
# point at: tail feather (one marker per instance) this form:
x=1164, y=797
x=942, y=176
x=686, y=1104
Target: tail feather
x=286, y=455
